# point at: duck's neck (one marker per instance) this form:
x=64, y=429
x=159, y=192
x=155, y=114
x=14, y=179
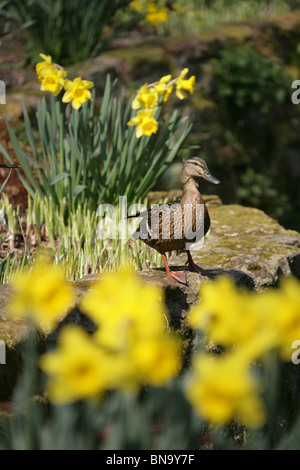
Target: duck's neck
x=191, y=191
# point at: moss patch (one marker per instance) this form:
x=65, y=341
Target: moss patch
x=246, y=239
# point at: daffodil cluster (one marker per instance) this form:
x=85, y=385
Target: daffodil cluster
x=42, y=295
x=162, y=14
x=53, y=79
x=149, y=96
x=154, y=12
x=248, y=325
x=132, y=322
x=131, y=346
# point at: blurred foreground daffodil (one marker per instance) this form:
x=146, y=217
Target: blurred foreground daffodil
x=42, y=295
x=79, y=368
x=222, y=388
x=125, y=309
x=254, y=322
x=146, y=98
x=251, y=325
x=130, y=347
x=132, y=321
x=282, y=307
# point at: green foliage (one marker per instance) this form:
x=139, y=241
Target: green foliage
x=88, y=160
x=7, y=178
x=258, y=190
x=294, y=4
x=255, y=118
x=69, y=31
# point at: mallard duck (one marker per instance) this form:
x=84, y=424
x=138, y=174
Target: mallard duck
x=175, y=225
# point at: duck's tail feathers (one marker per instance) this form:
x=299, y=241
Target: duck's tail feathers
x=138, y=214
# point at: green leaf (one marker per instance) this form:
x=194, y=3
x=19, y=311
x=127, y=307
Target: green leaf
x=9, y=166
x=5, y=181
x=79, y=188
x=22, y=156
x=59, y=177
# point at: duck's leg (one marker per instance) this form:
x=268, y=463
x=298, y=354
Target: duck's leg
x=194, y=267
x=174, y=276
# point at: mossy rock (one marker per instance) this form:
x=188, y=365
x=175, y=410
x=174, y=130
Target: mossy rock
x=29, y=94
x=247, y=240
x=147, y=62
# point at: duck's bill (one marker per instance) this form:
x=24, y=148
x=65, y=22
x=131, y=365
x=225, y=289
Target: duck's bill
x=209, y=177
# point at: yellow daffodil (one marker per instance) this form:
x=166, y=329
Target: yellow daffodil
x=41, y=294
x=77, y=91
x=52, y=79
x=145, y=122
x=156, y=359
x=220, y=311
x=162, y=84
x=124, y=309
x=145, y=98
x=222, y=388
x=183, y=85
x=131, y=319
x=283, y=305
x=230, y=316
x=254, y=322
x=46, y=64
x=78, y=368
x=136, y=5
x=163, y=87
x=168, y=92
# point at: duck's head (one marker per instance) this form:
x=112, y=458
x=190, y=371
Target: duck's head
x=195, y=168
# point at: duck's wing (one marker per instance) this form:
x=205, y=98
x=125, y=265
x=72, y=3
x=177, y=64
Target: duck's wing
x=154, y=221
x=156, y=207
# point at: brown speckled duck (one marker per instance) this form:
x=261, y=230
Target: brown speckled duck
x=173, y=226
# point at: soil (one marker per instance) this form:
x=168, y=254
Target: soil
x=14, y=61
x=14, y=69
